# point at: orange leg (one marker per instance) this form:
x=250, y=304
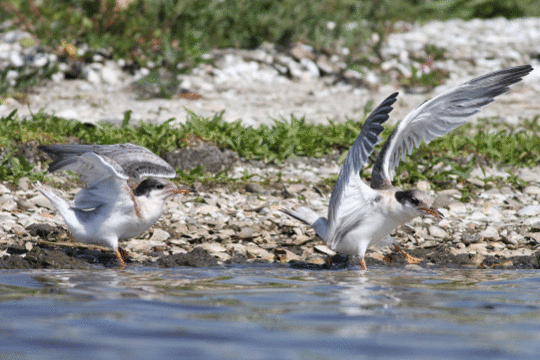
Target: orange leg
x=363, y=263
x=408, y=258
x=121, y=255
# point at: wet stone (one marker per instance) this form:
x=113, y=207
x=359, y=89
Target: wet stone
x=43, y=230
x=39, y=258
x=198, y=257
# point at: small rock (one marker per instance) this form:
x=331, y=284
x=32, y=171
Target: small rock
x=42, y=230
x=16, y=59
x=457, y=208
x=159, y=235
x=255, y=188
x=470, y=238
x=532, y=190
x=255, y=251
x=437, y=232
x=198, y=257
x=529, y=210
x=489, y=233
x=285, y=255
x=325, y=250
x=476, y=181
x=245, y=232
x=511, y=240
x=529, y=175
x=212, y=248
x=423, y=185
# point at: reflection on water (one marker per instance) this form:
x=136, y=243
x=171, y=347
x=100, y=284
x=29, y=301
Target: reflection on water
x=269, y=313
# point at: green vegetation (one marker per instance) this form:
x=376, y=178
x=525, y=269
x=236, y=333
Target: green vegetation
x=454, y=154
x=169, y=33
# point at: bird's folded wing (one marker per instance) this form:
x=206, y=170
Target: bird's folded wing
x=439, y=116
x=349, y=182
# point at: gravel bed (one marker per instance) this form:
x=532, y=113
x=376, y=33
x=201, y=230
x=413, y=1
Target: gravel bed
x=499, y=227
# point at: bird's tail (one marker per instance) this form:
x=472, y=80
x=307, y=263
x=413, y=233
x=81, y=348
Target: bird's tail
x=59, y=204
x=310, y=217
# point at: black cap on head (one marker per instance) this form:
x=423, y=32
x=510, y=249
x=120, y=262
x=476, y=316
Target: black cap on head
x=147, y=185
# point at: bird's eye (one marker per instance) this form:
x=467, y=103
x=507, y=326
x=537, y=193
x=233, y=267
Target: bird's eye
x=414, y=201
x=160, y=186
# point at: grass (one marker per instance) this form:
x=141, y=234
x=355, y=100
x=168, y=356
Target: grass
x=457, y=153
x=167, y=33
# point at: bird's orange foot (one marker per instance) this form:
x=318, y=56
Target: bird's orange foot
x=363, y=264
x=121, y=255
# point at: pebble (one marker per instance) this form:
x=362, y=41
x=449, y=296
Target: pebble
x=324, y=250
x=159, y=235
x=532, y=190
x=437, y=232
x=530, y=210
x=489, y=233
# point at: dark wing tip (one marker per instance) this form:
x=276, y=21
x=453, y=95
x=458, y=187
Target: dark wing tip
x=380, y=115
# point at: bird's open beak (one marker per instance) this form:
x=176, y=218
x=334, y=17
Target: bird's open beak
x=432, y=212
x=182, y=189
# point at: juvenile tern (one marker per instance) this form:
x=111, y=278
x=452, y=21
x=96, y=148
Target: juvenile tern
x=116, y=203
x=360, y=215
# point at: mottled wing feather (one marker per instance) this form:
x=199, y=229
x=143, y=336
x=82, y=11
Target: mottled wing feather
x=439, y=116
x=136, y=161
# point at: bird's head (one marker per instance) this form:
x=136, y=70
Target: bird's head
x=417, y=203
x=159, y=189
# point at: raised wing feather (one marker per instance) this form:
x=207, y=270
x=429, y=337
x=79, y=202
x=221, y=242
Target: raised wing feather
x=135, y=161
x=439, y=116
x=95, y=168
x=349, y=177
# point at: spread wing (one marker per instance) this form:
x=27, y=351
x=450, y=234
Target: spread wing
x=103, y=177
x=439, y=116
x=95, y=168
x=135, y=161
x=349, y=185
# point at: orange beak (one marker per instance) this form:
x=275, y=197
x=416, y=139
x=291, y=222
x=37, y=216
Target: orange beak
x=182, y=189
x=432, y=212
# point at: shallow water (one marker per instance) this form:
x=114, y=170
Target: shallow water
x=254, y=312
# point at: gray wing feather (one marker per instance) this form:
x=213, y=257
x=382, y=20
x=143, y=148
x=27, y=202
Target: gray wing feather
x=439, y=116
x=135, y=161
x=360, y=152
x=94, y=168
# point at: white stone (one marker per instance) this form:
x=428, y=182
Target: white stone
x=489, y=233
x=529, y=210
x=212, y=247
x=325, y=250
x=16, y=59
x=159, y=235
x=532, y=190
x=423, y=185
x=437, y=232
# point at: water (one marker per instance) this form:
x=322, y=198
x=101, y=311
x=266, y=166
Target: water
x=254, y=312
